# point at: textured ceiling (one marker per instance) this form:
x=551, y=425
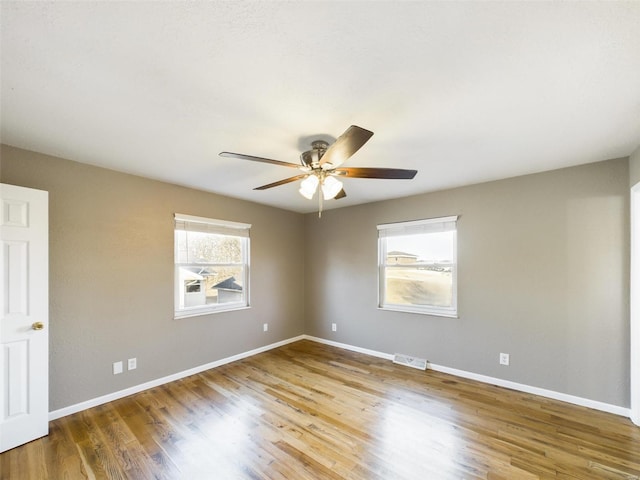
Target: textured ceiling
x=462, y=92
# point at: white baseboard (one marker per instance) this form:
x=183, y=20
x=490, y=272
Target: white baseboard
x=373, y=353
x=94, y=402
x=583, y=402
x=542, y=392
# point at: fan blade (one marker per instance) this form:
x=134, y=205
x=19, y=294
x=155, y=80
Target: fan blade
x=346, y=145
x=242, y=156
x=281, y=182
x=364, y=172
x=341, y=194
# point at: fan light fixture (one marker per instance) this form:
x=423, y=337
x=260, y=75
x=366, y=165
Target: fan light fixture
x=330, y=186
x=309, y=186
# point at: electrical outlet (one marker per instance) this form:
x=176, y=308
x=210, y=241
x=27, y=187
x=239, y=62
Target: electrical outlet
x=117, y=368
x=132, y=364
x=334, y=327
x=504, y=359
x=265, y=327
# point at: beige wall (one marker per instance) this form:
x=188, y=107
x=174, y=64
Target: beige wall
x=634, y=167
x=543, y=276
x=111, y=276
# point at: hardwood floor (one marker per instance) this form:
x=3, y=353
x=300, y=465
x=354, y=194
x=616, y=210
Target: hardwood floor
x=311, y=411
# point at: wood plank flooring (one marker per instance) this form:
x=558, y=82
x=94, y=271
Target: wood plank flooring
x=311, y=411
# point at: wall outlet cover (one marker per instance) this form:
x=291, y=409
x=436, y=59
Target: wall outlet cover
x=504, y=359
x=117, y=368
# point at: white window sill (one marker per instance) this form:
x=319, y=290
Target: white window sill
x=420, y=311
x=198, y=313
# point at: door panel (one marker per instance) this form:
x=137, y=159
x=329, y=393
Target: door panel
x=17, y=278
x=24, y=315
x=16, y=355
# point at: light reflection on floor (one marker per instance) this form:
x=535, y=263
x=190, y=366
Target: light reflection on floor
x=412, y=438
x=228, y=443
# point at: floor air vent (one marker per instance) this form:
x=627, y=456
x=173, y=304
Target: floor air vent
x=413, y=362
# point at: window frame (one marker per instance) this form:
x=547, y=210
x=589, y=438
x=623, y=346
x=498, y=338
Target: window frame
x=188, y=223
x=414, y=227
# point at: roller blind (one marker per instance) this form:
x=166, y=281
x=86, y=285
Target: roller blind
x=191, y=223
x=430, y=225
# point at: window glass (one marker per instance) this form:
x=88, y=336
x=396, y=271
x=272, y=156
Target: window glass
x=212, y=265
x=417, y=266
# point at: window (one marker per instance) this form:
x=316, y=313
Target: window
x=211, y=265
x=417, y=266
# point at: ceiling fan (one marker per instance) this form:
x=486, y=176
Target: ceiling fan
x=321, y=166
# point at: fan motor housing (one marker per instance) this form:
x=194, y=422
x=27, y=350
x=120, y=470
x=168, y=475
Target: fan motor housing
x=311, y=158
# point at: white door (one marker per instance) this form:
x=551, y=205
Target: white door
x=635, y=304
x=24, y=315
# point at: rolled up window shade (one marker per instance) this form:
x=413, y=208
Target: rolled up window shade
x=414, y=227
x=191, y=223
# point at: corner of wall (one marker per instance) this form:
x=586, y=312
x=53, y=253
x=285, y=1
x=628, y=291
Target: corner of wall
x=634, y=167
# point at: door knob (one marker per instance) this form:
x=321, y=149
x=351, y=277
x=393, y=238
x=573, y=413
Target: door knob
x=38, y=326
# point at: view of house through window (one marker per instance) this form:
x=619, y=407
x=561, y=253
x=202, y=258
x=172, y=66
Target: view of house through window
x=418, y=267
x=211, y=265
